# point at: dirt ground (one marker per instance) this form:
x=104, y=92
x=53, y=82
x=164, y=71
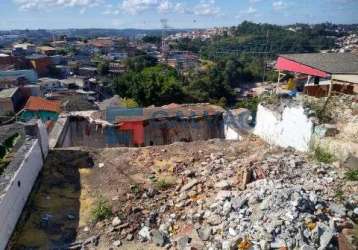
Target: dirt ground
x=72, y=183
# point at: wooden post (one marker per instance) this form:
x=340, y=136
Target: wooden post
x=330, y=87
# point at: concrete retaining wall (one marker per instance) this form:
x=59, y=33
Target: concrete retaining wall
x=291, y=128
x=24, y=169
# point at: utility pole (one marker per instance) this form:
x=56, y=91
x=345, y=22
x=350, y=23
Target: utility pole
x=265, y=57
x=164, y=48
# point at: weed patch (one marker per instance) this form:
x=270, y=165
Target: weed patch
x=351, y=175
x=321, y=155
x=102, y=210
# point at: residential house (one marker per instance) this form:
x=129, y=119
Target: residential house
x=183, y=61
x=326, y=72
x=49, y=84
x=46, y=50
x=87, y=71
x=40, y=63
x=22, y=49
x=40, y=108
x=12, y=82
x=29, y=74
x=11, y=101
x=63, y=71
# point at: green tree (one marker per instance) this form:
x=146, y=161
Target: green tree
x=103, y=68
x=156, y=85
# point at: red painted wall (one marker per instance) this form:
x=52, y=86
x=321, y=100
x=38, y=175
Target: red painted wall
x=286, y=64
x=137, y=129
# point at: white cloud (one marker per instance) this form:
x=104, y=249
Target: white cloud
x=249, y=13
x=45, y=4
x=251, y=10
x=180, y=8
x=279, y=5
x=136, y=6
x=165, y=6
x=206, y=8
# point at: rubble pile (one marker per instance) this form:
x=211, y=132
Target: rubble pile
x=292, y=206
x=280, y=202
x=254, y=200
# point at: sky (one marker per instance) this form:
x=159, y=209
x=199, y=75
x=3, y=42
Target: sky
x=120, y=14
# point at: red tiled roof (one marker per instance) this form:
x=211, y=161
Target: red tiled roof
x=35, y=103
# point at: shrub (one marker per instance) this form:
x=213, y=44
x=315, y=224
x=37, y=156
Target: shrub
x=250, y=104
x=339, y=194
x=135, y=189
x=102, y=210
x=162, y=184
x=321, y=155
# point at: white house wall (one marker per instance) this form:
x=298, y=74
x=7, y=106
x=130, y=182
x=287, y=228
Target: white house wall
x=292, y=128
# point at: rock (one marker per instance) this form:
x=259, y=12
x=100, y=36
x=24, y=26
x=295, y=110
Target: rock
x=158, y=238
x=144, y=233
x=278, y=244
x=338, y=209
x=238, y=202
x=130, y=237
x=223, y=185
x=223, y=195
x=265, y=204
x=116, y=221
x=189, y=185
x=204, y=233
x=117, y=243
x=232, y=231
x=214, y=220
x=326, y=237
x=307, y=247
x=231, y=244
x=183, y=242
x=227, y=207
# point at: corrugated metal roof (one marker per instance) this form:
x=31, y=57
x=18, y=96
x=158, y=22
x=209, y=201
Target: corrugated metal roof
x=333, y=63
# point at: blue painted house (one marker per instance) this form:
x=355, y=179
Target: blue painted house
x=40, y=108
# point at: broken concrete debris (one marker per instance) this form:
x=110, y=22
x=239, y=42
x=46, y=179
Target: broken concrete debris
x=281, y=201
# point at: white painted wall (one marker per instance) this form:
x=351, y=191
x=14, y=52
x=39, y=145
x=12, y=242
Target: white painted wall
x=44, y=137
x=19, y=188
x=17, y=192
x=293, y=128
x=236, y=123
x=230, y=129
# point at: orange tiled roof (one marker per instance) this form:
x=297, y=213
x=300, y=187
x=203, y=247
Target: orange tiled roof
x=35, y=103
